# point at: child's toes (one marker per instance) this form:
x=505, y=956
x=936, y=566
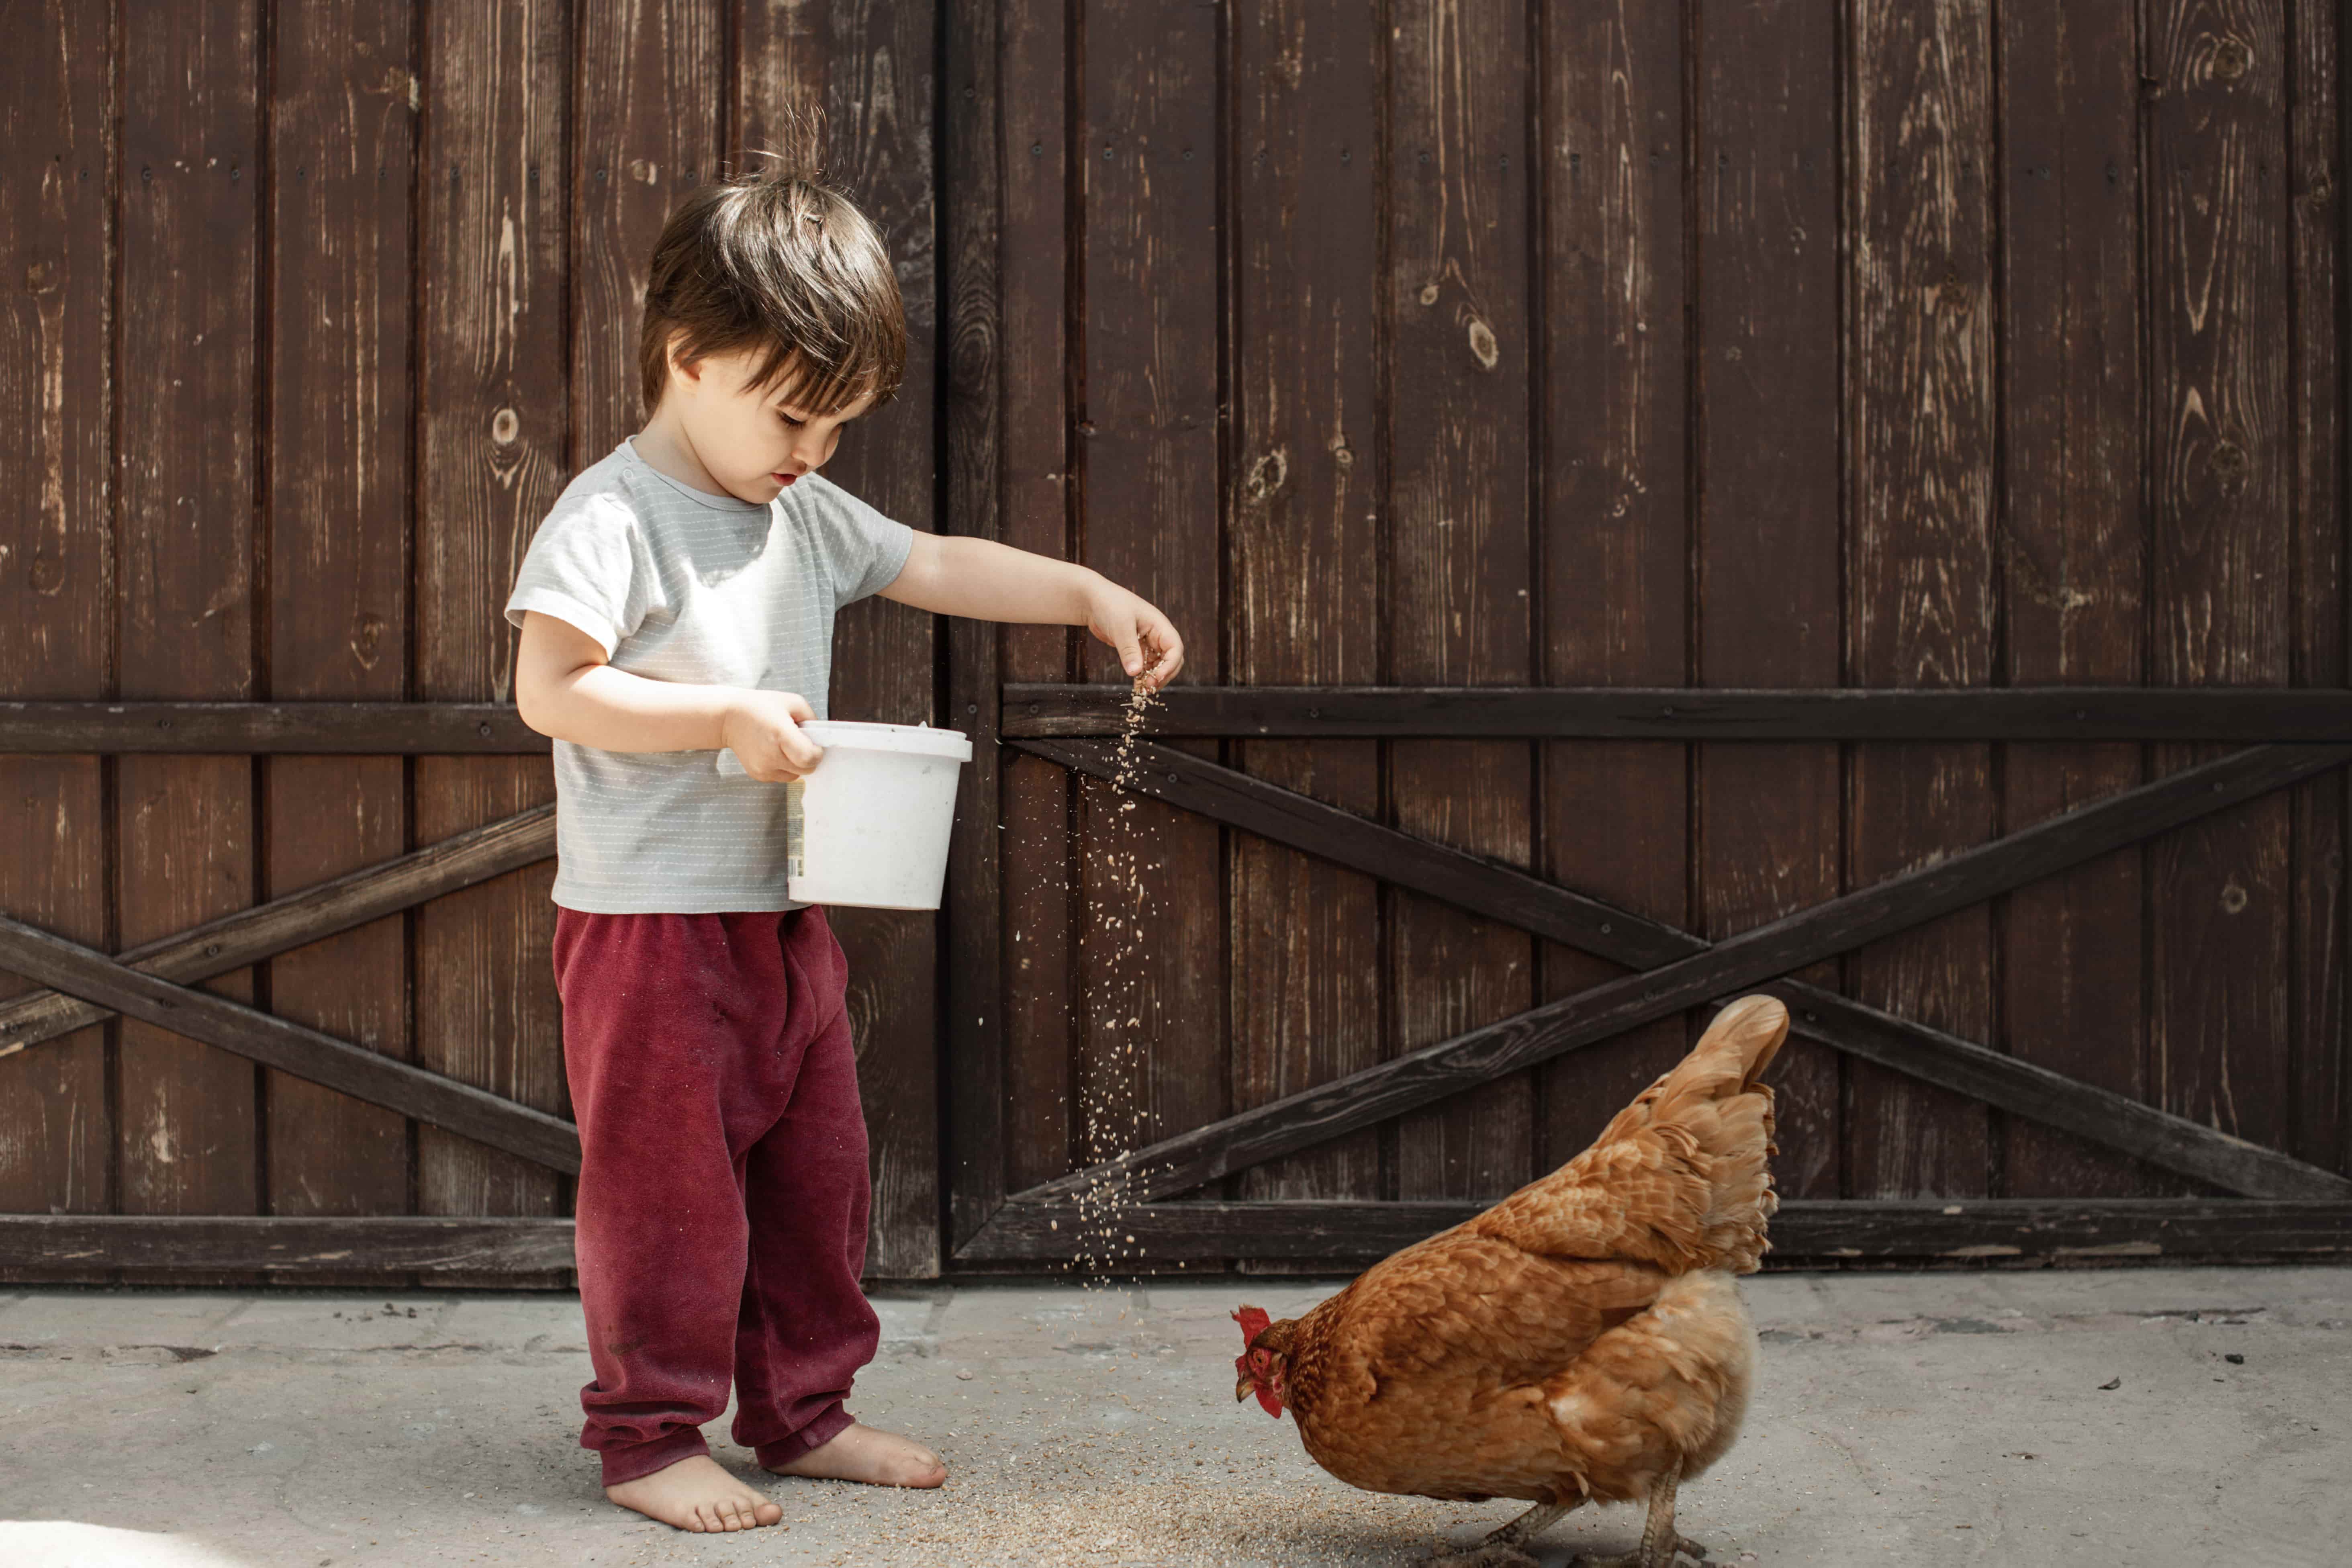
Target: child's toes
x=766, y=1512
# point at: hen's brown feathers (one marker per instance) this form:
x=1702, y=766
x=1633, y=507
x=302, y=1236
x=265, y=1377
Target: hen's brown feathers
x=1570, y=1339
x=1681, y=1177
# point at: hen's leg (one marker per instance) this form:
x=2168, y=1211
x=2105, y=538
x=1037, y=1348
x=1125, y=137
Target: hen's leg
x=1502, y=1547
x=1535, y=1520
x=1659, y=1541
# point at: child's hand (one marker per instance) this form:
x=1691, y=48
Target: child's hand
x=762, y=729
x=1147, y=645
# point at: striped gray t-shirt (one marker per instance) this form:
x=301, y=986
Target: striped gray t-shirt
x=679, y=584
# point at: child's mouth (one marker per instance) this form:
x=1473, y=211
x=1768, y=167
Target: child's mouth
x=783, y=479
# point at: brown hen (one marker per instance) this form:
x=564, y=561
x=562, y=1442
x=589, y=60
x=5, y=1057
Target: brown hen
x=1582, y=1340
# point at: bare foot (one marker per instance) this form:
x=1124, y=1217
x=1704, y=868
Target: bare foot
x=696, y=1494
x=862, y=1453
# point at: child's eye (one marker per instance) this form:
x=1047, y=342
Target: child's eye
x=788, y=419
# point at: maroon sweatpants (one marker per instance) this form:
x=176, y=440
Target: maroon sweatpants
x=722, y=1196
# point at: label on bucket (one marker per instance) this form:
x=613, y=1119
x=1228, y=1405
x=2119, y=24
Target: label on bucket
x=794, y=835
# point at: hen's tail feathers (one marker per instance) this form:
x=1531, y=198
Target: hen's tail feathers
x=1681, y=1178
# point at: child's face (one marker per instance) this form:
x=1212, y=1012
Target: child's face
x=754, y=441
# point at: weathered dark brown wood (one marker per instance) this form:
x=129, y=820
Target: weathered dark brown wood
x=1804, y=1232
x=495, y=419
x=646, y=131
x=2322, y=1118
x=339, y=335
x=868, y=70
x=305, y=728
x=59, y=185
x=2071, y=714
x=2073, y=558
x=2220, y=448
x=1769, y=234
x=972, y=215
x=1495, y=889
x=1457, y=510
x=1919, y=589
x=366, y=1075
x=1151, y=346
x=2068, y=714
x=1870, y=914
x=1835, y=351
x=310, y=1250
x=1622, y=939
x=1041, y=279
x=1307, y=293
x=2027, y=1090
x=1614, y=467
x=187, y=466
x=314, y=913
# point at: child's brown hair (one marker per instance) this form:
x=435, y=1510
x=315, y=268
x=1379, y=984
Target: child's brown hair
x=774, y=260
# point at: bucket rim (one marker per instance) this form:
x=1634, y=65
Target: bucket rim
x=861, y=735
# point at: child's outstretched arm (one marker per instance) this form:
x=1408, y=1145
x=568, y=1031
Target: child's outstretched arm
x=955, y=575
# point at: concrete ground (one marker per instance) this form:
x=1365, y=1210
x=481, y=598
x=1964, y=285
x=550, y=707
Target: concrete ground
x=2113, y=1416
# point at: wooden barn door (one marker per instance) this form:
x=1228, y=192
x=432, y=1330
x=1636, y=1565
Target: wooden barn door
x=1664, y=502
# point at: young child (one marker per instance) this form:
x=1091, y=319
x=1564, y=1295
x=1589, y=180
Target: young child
x=679, y=599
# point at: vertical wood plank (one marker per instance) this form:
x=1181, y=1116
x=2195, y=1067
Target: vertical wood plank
x=56, y=575
x=1306, y=940
x=191, y=189
x=342, y=147
x=1459, y=295
x=1617, y=491
x=1151, y=340
x=2316, y=175
x=2073, y=553
x=1769, y=505
x=1041, y=998
x=648, y=132
x=1920, y=598
x=871, y=69
x=2222, y=465
x=972, y=215
x=495, y=415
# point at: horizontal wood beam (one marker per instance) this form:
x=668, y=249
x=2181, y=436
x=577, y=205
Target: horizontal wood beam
x=1046, y=709
x=232, y=942
x=364, y=1074
x=1498, y=891
x=1345, y=1235
x=305, y=728
x=1433, y=1072
x=306, y=1244
x=1908, y=1230
x=1677, y=713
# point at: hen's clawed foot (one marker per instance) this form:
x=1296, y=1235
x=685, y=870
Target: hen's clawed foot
x=1639, y=1558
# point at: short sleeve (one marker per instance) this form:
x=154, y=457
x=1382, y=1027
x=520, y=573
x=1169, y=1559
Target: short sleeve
x=587, y=566
x=862, y=550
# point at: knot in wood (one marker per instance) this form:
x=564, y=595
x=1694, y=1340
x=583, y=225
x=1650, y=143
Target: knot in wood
x=1266, y=476
x=2231, y=60
x=1483, y=345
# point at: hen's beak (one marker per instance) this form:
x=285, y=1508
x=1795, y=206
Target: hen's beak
x=1242, y=1389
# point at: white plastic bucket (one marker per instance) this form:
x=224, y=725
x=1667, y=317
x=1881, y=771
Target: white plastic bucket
x=870, y=825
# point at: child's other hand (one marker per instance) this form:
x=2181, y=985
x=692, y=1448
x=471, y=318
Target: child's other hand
x=763, y=730
x=1147, y=643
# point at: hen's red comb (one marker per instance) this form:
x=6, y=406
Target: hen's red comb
x=1253, y=1320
